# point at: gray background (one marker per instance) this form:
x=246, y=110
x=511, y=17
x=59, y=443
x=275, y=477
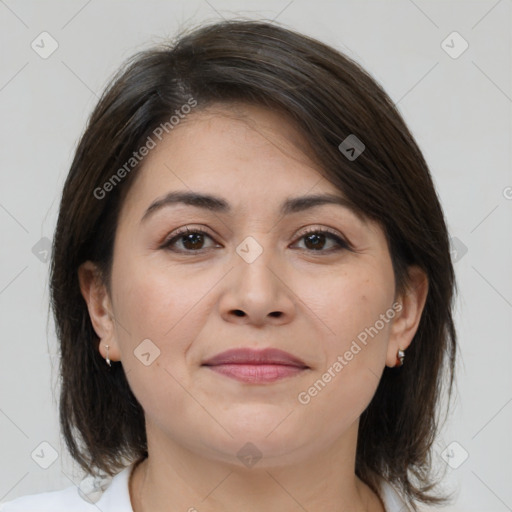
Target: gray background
x=459, y=110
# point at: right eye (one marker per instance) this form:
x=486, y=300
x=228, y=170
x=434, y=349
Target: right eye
x=191, y=240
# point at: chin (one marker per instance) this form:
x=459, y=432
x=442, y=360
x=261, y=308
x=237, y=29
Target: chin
x=261, y=445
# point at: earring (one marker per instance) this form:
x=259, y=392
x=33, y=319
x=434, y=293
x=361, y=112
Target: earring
x=107, y=359
x=400, y=358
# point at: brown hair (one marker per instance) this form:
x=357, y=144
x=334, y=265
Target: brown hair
x=328, y=97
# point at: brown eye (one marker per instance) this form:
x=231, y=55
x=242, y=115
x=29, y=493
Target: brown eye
x=317, y=239
x=193, y=241
x=187, y=240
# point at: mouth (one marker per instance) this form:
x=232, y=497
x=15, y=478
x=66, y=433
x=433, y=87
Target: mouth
x=256, y=366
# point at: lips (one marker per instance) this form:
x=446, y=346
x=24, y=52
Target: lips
x=247, y=356
x=256, y=366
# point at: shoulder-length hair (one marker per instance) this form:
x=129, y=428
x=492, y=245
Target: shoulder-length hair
x=329, y=97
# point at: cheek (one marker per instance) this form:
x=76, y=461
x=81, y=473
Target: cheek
x=356, y=313
x=163, y=305
x=152, y=306
x=339, y=391
x=349, y=304
x=153, y=300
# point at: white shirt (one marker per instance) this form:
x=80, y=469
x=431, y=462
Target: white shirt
x=113, y=495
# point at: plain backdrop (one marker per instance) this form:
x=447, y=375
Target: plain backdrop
x=456, y=100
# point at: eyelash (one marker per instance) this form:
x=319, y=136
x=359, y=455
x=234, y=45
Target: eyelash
x=342, y=244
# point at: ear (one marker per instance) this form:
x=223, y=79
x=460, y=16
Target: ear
x=96, y=296
x=405, y=324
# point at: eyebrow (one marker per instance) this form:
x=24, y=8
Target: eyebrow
x=220, y=205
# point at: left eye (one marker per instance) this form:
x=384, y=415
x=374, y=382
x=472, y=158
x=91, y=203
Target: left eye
x=192, y=240
x=315, y=240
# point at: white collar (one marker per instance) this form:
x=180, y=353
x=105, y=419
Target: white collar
x=115, y=496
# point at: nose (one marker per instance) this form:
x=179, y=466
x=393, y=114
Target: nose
x=257, y=292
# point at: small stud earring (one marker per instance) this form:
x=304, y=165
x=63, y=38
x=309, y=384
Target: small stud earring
x=400, y=358
x=107, y=359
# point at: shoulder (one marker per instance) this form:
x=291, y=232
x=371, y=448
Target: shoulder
x=106, y=494
x=55, y=501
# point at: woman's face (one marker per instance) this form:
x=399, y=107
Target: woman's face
x=260, y=276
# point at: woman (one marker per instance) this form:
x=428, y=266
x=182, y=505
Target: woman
x=252, y=287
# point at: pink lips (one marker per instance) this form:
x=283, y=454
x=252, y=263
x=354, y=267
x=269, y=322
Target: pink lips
x=256, y=366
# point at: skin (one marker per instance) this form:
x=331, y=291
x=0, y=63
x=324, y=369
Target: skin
x=310, y=302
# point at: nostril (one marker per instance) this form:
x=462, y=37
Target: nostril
x=238, y=312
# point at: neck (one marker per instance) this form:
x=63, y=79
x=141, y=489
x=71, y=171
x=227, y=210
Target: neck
x=177, y=479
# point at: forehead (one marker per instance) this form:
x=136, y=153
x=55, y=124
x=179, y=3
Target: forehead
x=254, y=158
x=229, y=138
